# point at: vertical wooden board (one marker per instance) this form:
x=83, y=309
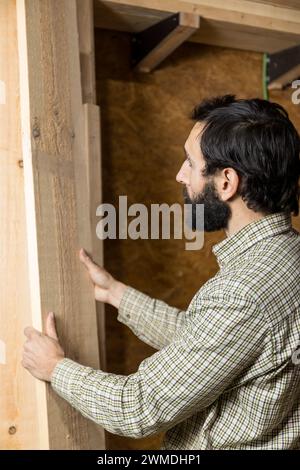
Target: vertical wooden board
x=57, y=202
x=93, y=160
x=85, y=19
x=92, y=153
x=18, y=417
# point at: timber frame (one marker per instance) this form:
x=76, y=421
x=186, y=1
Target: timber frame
x=50, y=188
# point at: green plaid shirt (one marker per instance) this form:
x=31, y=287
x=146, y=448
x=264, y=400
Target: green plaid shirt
x=223, y=376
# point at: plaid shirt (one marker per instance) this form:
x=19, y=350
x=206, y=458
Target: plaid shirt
x=223, y=377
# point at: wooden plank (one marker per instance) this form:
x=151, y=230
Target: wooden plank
x=126, y=17
x=85, y=18
x=220, y=33
x=238, y=24
x=93, y=161
x=19, y=423
x=57, y=200
x=92, y=136
x=294, y=4
x=188, y=23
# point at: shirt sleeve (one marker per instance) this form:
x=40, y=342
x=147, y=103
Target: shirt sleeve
x=220, y=340
x=151, y=320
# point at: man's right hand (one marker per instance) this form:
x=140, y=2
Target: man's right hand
x=107, y=288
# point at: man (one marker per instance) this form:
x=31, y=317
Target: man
x=224, y=375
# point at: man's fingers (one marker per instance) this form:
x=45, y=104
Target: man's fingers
x=29, y=332
x=27, y=361
x=27, y=346
x=51, y=327
x=86, y=260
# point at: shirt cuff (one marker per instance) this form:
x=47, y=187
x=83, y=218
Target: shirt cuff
x=129, y=311
x=65, y=376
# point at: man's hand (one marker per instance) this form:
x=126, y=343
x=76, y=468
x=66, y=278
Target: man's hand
x=107, y=288
x=42, y=351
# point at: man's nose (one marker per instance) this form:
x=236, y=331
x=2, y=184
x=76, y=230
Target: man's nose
x=181, y=176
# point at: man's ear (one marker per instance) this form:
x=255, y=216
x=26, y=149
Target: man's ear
x=227, y=183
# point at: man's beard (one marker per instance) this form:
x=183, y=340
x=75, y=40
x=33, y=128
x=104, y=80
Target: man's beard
x=216, y=211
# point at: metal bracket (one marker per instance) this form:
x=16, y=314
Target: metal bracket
x=283, y=67
x=154, y=44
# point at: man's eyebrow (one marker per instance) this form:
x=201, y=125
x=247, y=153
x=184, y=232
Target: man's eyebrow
x=187, y=154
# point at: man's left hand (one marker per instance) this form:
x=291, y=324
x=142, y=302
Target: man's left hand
x=41, y=351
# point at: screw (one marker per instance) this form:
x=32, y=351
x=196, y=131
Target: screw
x=12, y=430
x=20, y=163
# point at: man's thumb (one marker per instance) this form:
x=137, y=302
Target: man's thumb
x=50, y=326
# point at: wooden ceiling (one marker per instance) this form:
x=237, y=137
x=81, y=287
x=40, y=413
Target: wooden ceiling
x=257, y=25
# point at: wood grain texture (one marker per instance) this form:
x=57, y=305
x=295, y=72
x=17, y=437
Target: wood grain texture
x=92, y=154
x=92, y=143
x=294, y=4
x=57, y=202
x=19, y=426
x=144, y=127
x=240, y=24
x=85, y=19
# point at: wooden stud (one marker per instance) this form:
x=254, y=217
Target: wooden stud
x=85, y=19
x=92, y=136
x=57, y=202
x=20, y=426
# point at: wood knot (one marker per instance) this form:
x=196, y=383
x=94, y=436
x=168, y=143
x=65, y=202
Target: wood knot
x=12, y=430
x=36, y=129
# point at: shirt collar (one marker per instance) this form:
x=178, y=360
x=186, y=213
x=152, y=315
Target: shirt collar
x=240, y=241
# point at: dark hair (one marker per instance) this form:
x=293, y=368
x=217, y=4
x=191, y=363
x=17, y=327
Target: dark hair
x=258, y=140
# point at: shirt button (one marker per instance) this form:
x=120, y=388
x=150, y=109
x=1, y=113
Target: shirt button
x=128, y=315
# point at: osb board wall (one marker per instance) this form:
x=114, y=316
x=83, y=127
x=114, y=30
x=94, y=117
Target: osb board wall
x=144, y=126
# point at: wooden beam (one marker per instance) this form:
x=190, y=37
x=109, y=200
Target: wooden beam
x=20, y=423
x=57, y=202
x=85, y=18
x=92, y=136
x=294, y=4
x=243, y=24
x=156, y=43
x=92, y=155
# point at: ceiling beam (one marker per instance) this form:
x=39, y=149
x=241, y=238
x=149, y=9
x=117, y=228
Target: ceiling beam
x=243, y=24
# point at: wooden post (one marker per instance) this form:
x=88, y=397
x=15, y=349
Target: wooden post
x=57, y=205
x=20, y=427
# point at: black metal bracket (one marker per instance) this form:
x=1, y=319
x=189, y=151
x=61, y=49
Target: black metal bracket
x=279, y=64
x=145, y=41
